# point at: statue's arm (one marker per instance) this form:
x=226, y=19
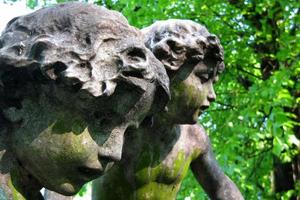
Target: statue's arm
x=211, y=177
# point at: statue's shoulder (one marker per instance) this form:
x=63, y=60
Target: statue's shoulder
x=195, y=137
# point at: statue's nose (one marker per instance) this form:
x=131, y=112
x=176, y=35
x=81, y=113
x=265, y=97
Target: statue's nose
x=111, y=150
x=211, y=95
x=109, y=154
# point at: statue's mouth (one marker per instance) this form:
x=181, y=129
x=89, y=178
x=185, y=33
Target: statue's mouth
x=204, y=107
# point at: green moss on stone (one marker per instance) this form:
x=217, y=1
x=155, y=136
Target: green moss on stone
x=15, y=194
x=157, y=191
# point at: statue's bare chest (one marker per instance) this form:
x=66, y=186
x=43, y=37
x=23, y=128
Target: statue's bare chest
x=165, y=160
x=169, y=171
x=153, y=166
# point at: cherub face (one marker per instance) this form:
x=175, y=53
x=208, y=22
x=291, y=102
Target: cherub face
x=192, y=93
x=68, y=139
x=192, y=57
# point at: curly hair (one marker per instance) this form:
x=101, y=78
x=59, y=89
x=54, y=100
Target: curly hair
x=60, y=45
x=181, y=40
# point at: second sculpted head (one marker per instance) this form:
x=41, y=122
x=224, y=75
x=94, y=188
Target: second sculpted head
x=193, y=59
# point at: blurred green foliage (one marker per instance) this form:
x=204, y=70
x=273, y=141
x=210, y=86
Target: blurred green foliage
x=256, y=116
x=190, y=189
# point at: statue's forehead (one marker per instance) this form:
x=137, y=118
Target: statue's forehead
x=75, y=20
x=73, y=52
x=184, y=30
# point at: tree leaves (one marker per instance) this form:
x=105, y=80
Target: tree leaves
x=257, y=109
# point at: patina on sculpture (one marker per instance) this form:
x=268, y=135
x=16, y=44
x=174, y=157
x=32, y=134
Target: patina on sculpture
x=156, y=157
x=73, y=78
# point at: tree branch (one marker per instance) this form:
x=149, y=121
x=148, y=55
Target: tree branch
x=253, y=75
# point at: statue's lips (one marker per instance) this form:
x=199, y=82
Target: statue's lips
x=204, y=107
x=89, y=173
x=201, y=109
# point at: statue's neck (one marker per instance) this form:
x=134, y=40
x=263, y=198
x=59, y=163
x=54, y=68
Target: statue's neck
x=160, y=125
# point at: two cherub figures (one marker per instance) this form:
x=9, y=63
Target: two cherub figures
x=85, y=95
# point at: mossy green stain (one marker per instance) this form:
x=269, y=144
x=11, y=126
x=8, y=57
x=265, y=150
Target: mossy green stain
x=169, y=176
x=113, y=185
x=15, y=194
x=152, y=179
x=186, y=101
x=179, y=168
x=188, y=93
x=157, y=191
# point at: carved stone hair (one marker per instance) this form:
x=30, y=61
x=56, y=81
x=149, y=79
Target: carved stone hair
x=176, y=41
x=59, y=45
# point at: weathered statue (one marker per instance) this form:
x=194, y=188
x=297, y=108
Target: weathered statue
x=73, y=78
x=156, y=157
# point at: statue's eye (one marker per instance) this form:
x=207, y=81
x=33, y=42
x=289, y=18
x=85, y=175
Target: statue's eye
x=136, y=54
x=204, y=77
x=175, y=46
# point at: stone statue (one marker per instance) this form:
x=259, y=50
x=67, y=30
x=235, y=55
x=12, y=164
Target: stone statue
x=156, y=157
x=73, y=78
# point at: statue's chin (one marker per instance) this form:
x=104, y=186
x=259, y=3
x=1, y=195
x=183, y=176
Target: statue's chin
x=67, y=189
x=196, y=115
x=193, y=119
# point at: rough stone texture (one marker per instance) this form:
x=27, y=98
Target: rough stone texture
x=50, y=195
x=178, y=42
x=61, y=45
x=193, y=58
x=156, y=157
x=73, y=78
